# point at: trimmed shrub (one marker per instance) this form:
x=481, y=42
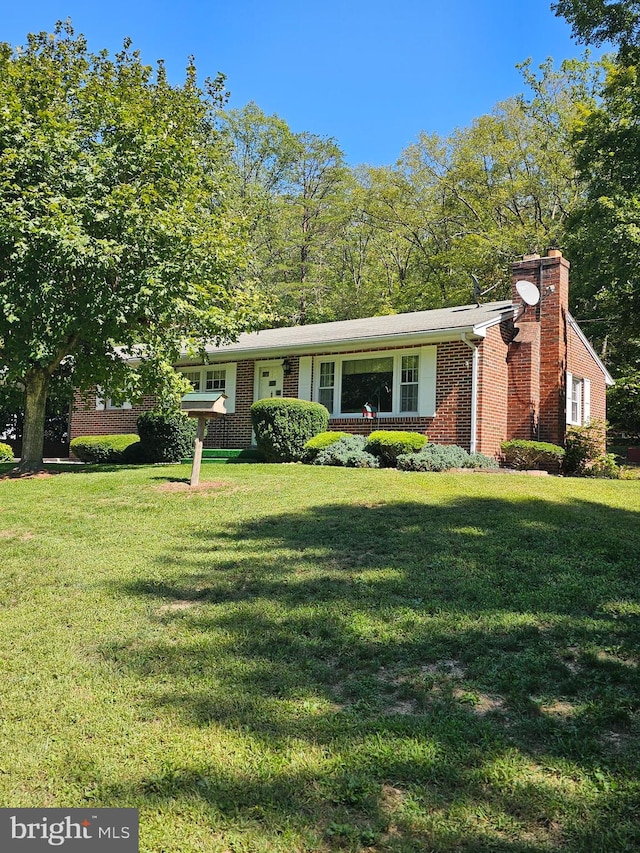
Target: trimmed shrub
x=387, y=445
x=348, y=452
x=283, y=425
x=6, y=453
x=102, y=448
x=439, y=457
x=318, y=443
x=527, y=455
x=166, y=436
x=583, y=445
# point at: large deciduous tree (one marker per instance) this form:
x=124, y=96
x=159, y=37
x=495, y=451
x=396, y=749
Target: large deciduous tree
x=604, y=232
x=599, y=21
x=113, y=236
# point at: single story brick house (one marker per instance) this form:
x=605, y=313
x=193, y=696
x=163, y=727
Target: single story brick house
x=472, y=375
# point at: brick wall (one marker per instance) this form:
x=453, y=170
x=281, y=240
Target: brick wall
x=493, y=387
x=451, y=424
x=581, y=364
x=86, y=420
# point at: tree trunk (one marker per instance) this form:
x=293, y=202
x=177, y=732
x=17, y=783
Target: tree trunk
x=35, y=399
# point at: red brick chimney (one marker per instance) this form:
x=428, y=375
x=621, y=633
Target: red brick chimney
x=538, y=356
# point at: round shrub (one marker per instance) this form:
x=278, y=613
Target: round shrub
x=526, y=455
x=348, y=452
x=102, y=448
x=439, y=457
x=283, y=425
x=166, y=436
x=387, y=445
x=319, y=442
x=6, y=453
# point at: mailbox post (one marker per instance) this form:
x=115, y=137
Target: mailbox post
x=204, y=407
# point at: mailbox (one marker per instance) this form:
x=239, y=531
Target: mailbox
x=198, y=404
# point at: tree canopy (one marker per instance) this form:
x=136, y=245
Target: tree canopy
x=329, y=242
x=114, y=239
x=599, y=21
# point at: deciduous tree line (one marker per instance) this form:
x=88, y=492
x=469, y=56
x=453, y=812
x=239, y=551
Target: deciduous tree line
x=332, y=242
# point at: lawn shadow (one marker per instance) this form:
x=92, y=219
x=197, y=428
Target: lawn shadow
x=477, y=654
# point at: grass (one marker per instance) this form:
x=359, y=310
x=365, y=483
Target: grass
x=316, y=659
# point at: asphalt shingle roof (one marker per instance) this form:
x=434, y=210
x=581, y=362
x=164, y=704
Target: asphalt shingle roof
x=389, y=326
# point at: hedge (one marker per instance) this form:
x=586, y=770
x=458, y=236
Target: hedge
x=102, y=448
x=524, y=455
x=166, y=436
x=283, y=425
x=6, y=453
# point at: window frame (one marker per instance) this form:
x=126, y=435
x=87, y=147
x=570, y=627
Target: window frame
x=426, y=400
x=578, y=400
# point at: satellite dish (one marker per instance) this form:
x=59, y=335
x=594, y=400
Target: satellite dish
x=528, y=292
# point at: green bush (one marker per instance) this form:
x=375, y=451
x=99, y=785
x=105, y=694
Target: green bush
x=166, y=436
x=387, y=445
x=604, y=467
x=102, y=448
x=480, y=460
x=318, y=443
x=283, y=426
x=6, y=453
x=443, y=457
x=583, y=445
x=348, y=452
x=527, y=455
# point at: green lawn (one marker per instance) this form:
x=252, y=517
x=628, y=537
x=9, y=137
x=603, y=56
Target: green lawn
x=316, y=659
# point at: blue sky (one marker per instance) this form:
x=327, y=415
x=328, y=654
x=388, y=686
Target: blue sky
x=369, y=73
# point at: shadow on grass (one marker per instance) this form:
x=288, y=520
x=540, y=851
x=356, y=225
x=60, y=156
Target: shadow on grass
x=468, y=670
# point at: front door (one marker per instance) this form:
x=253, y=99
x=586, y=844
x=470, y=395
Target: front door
x=270, y=382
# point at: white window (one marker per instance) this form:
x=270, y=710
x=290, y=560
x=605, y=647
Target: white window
x=327, y=384
x=578, y=400
x=106, y=403
x=216, y=379
x=194, y=377
x=409, y=379
x=392, y=383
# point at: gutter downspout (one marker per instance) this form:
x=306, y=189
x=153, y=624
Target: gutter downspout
x=475, y=362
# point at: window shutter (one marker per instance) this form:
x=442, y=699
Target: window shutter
x=427, y=382
x=304, y=377
x=100, y=401
x=586, y=401
x=569, y=394
x=230, y=387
